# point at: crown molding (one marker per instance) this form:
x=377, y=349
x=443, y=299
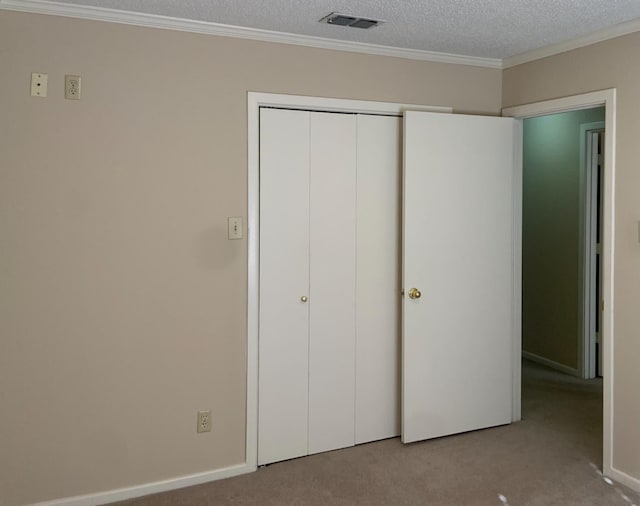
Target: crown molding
x=209, y=28
x=586, y=40
x=204, y=27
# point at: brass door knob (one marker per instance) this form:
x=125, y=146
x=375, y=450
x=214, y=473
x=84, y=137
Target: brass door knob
x=304, y=298
x=414, y=293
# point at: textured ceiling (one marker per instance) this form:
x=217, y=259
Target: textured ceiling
x=484, y=28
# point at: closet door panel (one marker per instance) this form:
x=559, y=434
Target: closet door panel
x=332, y=281
x=458, y=251
x=284, y=279
x=378, y=302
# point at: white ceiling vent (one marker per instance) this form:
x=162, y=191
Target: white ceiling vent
x=351, y=21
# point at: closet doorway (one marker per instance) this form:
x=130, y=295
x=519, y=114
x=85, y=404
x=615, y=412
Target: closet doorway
x=460, y=310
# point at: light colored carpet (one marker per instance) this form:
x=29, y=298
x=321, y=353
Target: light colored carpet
x=552, y=457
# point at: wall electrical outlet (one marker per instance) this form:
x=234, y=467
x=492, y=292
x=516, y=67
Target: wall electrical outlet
x=39, y=84
x=204, y=421
x=72, y=87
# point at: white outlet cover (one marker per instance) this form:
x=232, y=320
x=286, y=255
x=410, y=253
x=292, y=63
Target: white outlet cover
x=72, y=87
x=39, y=84
x=204, y=421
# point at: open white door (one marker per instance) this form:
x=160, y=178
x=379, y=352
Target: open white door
x=458, y=273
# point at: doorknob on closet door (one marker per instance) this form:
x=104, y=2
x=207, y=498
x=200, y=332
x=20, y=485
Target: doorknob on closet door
x=304, y=298
x=414, y=293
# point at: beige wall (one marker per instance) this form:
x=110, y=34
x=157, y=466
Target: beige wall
x=608, y=64
x=551, y=235
x=122, y=304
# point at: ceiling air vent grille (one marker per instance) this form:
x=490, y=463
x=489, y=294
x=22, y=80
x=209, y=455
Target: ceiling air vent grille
x=351, y=21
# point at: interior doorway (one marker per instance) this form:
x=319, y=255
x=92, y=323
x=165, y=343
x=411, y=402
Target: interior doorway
x=562, y=225
x=606, y=99
x=562, y=174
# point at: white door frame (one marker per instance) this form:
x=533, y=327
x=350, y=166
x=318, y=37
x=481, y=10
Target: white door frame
x=606, y=98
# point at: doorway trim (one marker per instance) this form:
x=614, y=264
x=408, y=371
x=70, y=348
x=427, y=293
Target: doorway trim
x=255, y=101
x=606, y=98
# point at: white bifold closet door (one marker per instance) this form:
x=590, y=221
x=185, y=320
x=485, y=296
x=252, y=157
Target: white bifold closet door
x=329, y=281
x=378, y=304
x=332, y=281
x=283, y=390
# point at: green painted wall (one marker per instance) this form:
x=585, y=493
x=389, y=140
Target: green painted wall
x=550, y=234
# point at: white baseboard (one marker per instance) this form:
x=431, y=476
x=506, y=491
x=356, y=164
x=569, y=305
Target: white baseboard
x=625, y=479
x=550, y=363
x=121, y=494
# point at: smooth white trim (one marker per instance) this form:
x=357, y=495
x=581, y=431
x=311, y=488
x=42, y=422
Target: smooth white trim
x=624, y=478
x=122, y=494
x=210, y=28
x=586, y=296
x=586, y=40
x=516, y=309
x=564, y=104
x=572, y=103
x=551, y=363
x=253, y=276
x=257, y=100
x=254, y=102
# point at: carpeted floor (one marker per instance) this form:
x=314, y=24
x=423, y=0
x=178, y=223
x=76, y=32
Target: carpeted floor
x=552, y=457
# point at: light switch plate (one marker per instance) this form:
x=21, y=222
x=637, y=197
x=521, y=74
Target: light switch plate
x=39, y=84
x=235, y=227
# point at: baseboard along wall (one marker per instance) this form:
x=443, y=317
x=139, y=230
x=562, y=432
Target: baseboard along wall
x=625, y=479
x=122, y=494
x=550, y=363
